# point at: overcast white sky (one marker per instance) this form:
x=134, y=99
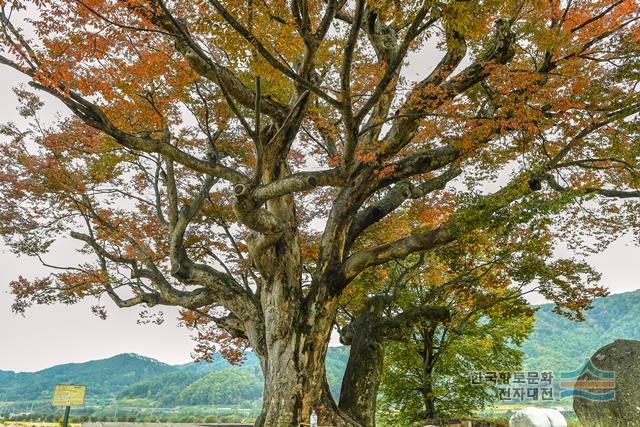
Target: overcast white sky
x=50, y=335
x=58, y=334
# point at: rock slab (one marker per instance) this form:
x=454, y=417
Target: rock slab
x=623, y=358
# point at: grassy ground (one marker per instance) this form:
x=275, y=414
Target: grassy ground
x=35, y=424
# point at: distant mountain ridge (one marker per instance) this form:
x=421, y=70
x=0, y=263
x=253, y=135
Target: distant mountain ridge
x=105, y=376
x=556, y=344
x=560, y=344
x=131, y=376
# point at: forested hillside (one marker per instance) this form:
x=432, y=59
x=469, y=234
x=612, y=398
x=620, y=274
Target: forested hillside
x=560, y=344
x=105, y=377
x=556, y=344
x=130, y=376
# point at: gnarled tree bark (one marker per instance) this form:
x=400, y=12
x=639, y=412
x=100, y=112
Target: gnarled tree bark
x=367, y=335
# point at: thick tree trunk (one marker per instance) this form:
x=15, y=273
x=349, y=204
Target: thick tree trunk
x=361, y=380
x=292, y=384
x=297, y=329
x=295, y=323
x=368, y=335
x=295, y=384
x=362, y=376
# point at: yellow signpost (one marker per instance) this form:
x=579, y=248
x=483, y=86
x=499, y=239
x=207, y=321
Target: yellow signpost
x=68, y=395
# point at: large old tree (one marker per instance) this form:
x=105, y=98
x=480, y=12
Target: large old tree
x=239, y=158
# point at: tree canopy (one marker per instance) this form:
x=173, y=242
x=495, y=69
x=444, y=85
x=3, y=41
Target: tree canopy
x=247, y=160
x=429, y=374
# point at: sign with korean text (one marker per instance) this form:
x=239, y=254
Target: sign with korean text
x=69, y=395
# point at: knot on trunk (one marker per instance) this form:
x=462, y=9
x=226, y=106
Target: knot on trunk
x=239, y=189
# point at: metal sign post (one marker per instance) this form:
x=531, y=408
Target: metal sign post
x=68, y=395
x=65, y=421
